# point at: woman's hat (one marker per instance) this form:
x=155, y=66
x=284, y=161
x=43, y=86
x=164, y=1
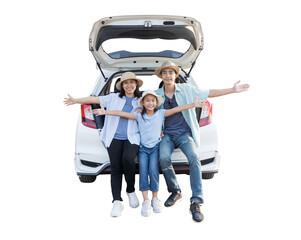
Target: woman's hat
x=127, y=76
x=167, y=64
x=150, y=92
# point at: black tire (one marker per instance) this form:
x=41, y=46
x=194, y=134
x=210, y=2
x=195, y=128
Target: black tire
x=207, y=175
x=87, y=178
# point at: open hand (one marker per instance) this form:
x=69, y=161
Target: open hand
x=240, y=87
x=199, y=103
x=70, y=100
x=99, y=111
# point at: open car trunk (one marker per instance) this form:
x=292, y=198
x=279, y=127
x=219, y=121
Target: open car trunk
x=145, y=28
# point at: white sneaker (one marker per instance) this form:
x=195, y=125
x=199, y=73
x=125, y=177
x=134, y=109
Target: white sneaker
x=156, y=204
x=134, y=202
x=117, y=208
x=146, y=206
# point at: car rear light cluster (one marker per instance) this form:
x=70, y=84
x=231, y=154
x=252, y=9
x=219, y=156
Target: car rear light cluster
x=206, y=115
x=87, y=116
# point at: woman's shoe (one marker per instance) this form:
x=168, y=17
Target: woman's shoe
x=133, y=200
x=117, y=208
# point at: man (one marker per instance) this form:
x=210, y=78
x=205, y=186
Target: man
x=181, y=130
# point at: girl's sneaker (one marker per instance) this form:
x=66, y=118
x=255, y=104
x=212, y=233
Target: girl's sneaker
x=134, y=202
x=146, y=206
x=156, y=204
x=117, y=208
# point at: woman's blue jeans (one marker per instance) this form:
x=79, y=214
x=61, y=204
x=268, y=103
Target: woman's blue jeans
x=188, y=147
x=149, y=168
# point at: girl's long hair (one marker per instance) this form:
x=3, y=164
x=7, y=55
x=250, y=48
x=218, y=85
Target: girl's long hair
x=136, y=92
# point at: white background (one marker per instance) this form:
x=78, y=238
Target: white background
x=44, y=55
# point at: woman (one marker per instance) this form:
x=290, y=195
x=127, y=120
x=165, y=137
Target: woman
x=120, y=136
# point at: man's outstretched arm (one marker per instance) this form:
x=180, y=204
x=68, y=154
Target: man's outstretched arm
x=237, y=88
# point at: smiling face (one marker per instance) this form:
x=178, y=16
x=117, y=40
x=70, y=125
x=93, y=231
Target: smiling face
x=168, y=76
x=150, y=102
x=129, y=87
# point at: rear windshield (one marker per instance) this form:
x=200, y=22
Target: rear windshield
x=124, y=48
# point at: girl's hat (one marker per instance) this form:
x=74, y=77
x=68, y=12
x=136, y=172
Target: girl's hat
x=128, y=76
x=150, y=92
x=167, y=64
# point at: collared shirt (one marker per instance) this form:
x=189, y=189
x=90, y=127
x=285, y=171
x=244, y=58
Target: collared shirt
x=185, y=94
x=114, y=102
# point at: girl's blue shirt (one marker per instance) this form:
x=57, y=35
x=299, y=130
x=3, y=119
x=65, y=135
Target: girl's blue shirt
x=150, y=127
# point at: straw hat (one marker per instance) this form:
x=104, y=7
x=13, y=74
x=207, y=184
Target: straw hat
x=127, y=76
x=150, y=92
x=167, y=64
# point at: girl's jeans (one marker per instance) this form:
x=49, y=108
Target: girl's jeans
x=149, y=168
x=187, y=145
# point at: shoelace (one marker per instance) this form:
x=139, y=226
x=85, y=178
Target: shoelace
x=195, y=208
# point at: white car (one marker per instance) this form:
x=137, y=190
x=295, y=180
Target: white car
x=140, y=44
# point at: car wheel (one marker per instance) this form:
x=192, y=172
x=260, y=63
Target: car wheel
x=87, y=178
x=207, y=175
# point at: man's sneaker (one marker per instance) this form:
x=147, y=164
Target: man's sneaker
x=156, y=204
x=195, y=210
x=117, y=208
x=175, y=196
x=146, y=206
x=133, y=200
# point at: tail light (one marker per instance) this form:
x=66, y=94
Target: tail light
x=87, y=116
x=206, y=115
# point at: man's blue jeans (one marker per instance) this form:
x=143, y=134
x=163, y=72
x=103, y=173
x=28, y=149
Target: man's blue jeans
x=149, y=168
x=188, y=147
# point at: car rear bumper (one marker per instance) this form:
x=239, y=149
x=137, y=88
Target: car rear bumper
x=86, y=165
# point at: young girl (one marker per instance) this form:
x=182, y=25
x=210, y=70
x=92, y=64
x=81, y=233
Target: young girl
x=150, y=122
